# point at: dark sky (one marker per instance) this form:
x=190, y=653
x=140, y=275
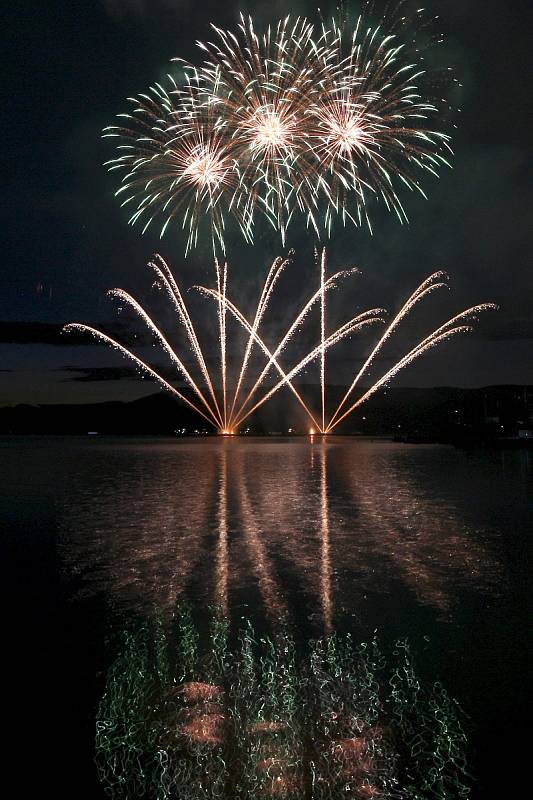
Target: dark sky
x=68, y=68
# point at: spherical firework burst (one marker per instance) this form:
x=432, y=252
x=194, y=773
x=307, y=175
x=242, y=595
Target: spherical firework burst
x=278, y=123
x=176, y=165
x=368, y=124
x=262, y=88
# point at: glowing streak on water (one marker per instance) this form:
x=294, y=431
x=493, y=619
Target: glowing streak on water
x=269, y=588
x=221, y=598
x=325, y=554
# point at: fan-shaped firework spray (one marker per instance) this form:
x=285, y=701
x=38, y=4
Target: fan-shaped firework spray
x=228, y=409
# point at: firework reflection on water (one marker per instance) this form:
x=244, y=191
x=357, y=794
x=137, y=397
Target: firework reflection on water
x=288, y=527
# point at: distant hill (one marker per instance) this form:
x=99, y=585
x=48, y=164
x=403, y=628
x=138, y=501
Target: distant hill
x=437, y=414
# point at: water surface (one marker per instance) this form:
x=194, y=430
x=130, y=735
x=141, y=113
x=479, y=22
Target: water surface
x=419, y=541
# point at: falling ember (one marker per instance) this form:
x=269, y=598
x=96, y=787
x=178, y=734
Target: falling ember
x=222, y=406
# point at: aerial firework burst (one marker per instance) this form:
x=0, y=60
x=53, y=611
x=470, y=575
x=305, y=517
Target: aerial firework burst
x=226, y=409
x=176, y=164
x=299, y=119
x=368, y=125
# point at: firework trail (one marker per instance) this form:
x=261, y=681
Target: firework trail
x=355, y=324
x=167, y=281
x=139, y=363
x=274, y=274
x=295, y=325
x=341, y=333
x=302, y=120
x=225, y=410
x=222, y=280
x=434, y=281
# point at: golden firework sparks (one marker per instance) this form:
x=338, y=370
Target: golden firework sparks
x=219, y=401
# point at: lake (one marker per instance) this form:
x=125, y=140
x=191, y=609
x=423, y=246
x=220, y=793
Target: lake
x=417, y=541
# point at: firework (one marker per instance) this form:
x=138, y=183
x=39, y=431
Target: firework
x=369, y=125
x=291, y=121
x=175, y=164
x=224, y=409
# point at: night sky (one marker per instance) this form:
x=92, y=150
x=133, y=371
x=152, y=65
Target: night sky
x=69, y=67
